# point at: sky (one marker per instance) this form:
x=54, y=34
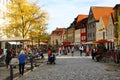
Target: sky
x=63, y=12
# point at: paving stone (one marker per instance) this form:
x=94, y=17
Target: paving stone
x=73, y=68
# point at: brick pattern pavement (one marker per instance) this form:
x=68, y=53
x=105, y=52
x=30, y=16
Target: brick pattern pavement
x=73, y=68
x=5, y=72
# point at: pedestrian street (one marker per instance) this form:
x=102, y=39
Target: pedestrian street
x=75, y=67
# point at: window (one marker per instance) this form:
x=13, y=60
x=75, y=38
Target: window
x=93, y=34
x=85, y=38
x=88, y=35
x=81, y=30
x=84, y=30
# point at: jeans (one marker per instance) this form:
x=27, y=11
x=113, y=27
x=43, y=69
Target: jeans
x=81, y=52
x=21, y=68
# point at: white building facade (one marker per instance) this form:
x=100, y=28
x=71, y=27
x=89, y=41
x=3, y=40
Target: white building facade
x=100, y=30
x=77, y=36
x=110, y=33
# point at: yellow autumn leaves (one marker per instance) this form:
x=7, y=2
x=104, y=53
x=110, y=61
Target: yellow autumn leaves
x=24, y=19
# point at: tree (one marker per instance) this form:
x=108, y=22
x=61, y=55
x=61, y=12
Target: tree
x=23, y=18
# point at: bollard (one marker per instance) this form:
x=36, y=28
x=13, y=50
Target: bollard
x=31, y=62
x=11, y=72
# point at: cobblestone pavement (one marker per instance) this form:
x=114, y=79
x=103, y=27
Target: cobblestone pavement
x=5, y=73
x=73, y=68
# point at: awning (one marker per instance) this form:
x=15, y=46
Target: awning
x=66, y=43
x=13, y=39
x=42, y=43
x=88, y=43
x=103, y=41
x=15, y=43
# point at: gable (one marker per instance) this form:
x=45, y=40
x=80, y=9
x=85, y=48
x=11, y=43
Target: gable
x=105, y=20
x=101, y=26
x=110, y=22
x=90, y=16
x=101, y=11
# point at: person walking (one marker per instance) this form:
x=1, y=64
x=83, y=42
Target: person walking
x=81, y=50
x=93, y=53
x=72, y=50
x=49, y=54
x=30, y=55
x=8, y=58
x=59, y=51
x=22, y=60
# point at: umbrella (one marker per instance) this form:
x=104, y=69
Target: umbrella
x=66, y=43
x=102, y=41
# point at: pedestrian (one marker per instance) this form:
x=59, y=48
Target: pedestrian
x=8, y=58
x=30, y=55
x=72, y=51
x=52, y=58
x=59, y=51
x=87, y=52
x=41, y=54
x=22, y=60
x=93, y=52
x=81, y=48
x=49, y=54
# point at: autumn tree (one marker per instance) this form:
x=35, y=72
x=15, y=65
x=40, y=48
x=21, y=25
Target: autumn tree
x=24, y=18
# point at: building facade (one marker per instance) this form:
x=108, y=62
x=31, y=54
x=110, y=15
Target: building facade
x=70, y=32
x=77, y=37
x=97, y=21
x=91, y=26
x=57, y=36
x=80, y=28
x=110, y=32
x=116, y=24
x=83, y=29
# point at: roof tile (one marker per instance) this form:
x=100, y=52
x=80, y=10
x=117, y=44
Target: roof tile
x=81, y=16
x=101, y=11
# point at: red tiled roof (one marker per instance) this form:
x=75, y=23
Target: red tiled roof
x=101, y=11
x=105, y=20
x=81, y=16
x=81, y=19
x=58, y=31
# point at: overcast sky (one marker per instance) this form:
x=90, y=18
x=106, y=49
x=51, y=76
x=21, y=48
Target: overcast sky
x=63, y=12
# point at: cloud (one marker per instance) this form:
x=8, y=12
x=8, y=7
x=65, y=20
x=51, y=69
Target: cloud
x=63, y=12
x=111, y=3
